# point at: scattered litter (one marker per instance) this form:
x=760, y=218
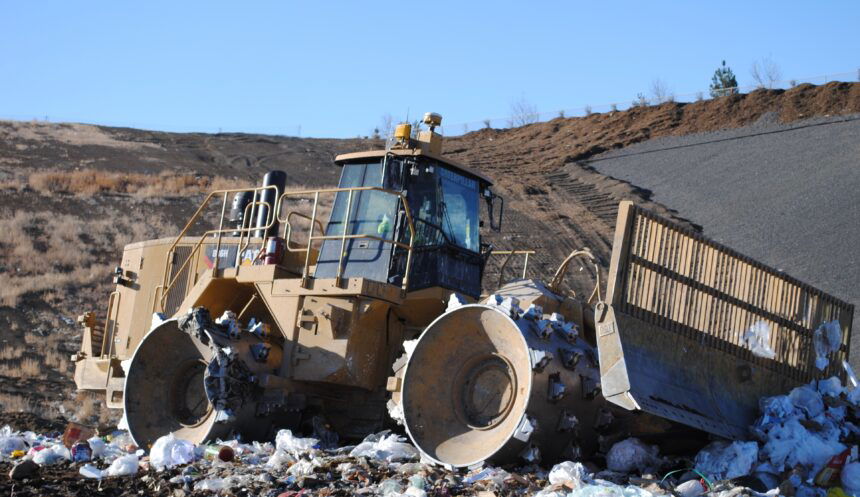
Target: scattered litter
x=850, y=478
x=826, y=340
x=723, y=460
x=286, y=442
x=52, y=455
x=572, y=474
x=800, y=446
x=631, y=454
x=494, y=475
x=385, y=446
x=75, y=432
x=691, y=488
x=169, y=451
x=757, y=339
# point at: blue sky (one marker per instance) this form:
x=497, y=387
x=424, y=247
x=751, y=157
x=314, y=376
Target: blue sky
x=332, y=69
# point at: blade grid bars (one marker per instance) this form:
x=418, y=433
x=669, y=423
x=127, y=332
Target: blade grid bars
x=679, y=280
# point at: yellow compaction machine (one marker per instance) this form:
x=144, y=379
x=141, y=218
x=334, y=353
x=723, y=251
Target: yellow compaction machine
x=265, y=312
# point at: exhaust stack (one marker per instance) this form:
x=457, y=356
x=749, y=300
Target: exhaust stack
x=278, y=179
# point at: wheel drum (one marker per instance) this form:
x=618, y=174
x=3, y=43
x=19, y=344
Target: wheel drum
x=164, y=388
x=481, y=386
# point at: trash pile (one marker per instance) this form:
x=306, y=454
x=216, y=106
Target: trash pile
x=804, y=444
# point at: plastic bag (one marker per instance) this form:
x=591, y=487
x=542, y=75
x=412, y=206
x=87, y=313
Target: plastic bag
x=790, y=444
x=286, y=442
x=52, y=455
x=808, y=400
x=631, y=454
x=90, y=471
x=302, y=468
x=757, y=339
x=830, y=387
x=280, y=458
x=123, y=466
x=10, y=441
x=826, y=339
x=169, y=451
x=851, y=478
x=97, y=445
x=568, y=471
x=384, y=446
x=210, y=484
x=723, y=460
x=495, y=475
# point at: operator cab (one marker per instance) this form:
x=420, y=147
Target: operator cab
x=444, y=203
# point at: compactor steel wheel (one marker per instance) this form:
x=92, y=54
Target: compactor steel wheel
x=488, y=382
x=197, y=380
x=164, y=387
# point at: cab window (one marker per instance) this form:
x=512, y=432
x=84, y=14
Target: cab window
x=460, y=209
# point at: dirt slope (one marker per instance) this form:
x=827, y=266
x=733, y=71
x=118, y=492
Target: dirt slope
x=58, y=246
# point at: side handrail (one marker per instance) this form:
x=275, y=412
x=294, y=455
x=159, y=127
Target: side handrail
x=343, y=237
x=168, y=282
x=288, y=238
x=211, y=233
x=510, y=254
x=555, y=284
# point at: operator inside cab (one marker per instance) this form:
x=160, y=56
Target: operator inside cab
x=443, y=200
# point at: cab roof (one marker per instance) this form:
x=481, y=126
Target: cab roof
x=410, y=152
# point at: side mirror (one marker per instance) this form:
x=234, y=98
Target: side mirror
x=491, y=198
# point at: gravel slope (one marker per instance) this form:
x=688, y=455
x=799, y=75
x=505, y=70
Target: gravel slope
x=786, y=194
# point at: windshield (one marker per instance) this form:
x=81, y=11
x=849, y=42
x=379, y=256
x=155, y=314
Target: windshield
x=373, y=212
x=460, y=209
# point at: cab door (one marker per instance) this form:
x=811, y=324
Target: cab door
x=371, y=213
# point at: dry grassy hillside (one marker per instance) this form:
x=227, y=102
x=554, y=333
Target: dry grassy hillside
x=72, y=195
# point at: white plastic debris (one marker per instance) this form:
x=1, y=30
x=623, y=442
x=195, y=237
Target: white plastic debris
x=757, y=339
x=631, y=454
x=722, y=460
x=90, y=471
x=808, y=400
x=169, y=451
x=691, y=488
x=384, y=446
x=851, y=478
x=228, y=320
x=52, y=455
x=831, y=387
x=279, y=459
x=455, y=301
x=285, y=441
x=123, y=466
x=573, y=474
x=10, y=441
x=157, y=319
x=210, y=484
x=826, y=339
x=123, y=422
x=302, y=468
x=491, y=474
x=97, y=445
x=790, y=444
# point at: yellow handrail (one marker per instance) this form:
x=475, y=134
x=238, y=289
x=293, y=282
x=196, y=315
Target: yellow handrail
x=343, y=236
x=168, y=282
x=510, y=254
